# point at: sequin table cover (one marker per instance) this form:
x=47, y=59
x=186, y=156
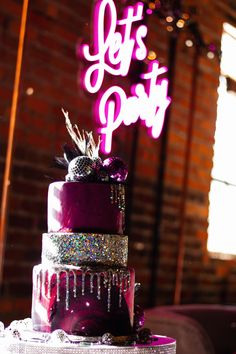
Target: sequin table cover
x=160, y=345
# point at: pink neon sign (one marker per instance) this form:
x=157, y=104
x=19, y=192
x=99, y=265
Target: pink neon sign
x=115, y=45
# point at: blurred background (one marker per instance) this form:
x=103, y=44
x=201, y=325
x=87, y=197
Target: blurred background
x=180, y=204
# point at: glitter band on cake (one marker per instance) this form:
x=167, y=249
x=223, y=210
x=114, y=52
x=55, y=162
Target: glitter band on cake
x=84, y=249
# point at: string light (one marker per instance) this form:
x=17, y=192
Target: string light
x=170, y=28
x=177, y=20
x=29, y=91
x=157, y=4
x=211, y=51
x=148, y=11
x=211, y=55
x=180, y=23
x=169, y=19
x=152, y=5
x=189, y=43
x=151, y=55
x=185, y=16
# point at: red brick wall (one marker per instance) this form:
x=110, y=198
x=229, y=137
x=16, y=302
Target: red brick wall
x=51, y=68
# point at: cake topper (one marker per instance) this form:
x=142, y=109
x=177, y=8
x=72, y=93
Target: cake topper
x=85, y=143
x=83, y=161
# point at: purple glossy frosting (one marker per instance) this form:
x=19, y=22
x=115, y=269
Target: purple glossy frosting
x=85, y=207
x=87, y=313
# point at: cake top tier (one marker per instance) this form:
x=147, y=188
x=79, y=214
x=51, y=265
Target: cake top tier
x=86, y=207
x=92, y=199
x=83, y=161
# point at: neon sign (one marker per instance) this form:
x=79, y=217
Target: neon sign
x=115, y=45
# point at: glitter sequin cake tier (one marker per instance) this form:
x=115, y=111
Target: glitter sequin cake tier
x=82, y=300
x=84, y=249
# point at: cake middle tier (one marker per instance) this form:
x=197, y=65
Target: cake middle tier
x=86, y=207
x=77, y=249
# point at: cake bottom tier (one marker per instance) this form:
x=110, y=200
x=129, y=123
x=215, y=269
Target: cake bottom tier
x=83, y=301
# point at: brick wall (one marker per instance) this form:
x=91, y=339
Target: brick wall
x=51, y=68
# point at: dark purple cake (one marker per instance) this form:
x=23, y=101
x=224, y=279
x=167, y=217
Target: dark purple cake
x=83, y=302
x=83, y=285
x=86, y=207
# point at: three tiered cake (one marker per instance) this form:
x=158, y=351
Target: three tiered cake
x=83, y=291
x=83, y=285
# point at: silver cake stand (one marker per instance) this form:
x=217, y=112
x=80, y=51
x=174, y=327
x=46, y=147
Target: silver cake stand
x=160, y=345
x=19, y=338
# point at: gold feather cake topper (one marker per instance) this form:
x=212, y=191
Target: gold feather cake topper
x=83, y=161
x=85, y=141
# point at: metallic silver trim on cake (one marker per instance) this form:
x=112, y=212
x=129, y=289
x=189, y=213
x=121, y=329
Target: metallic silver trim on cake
x=118, y=196
x=84, y=249
x=71, y=278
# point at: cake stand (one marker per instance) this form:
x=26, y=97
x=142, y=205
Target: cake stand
x=159, y=345
x=20, y=338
